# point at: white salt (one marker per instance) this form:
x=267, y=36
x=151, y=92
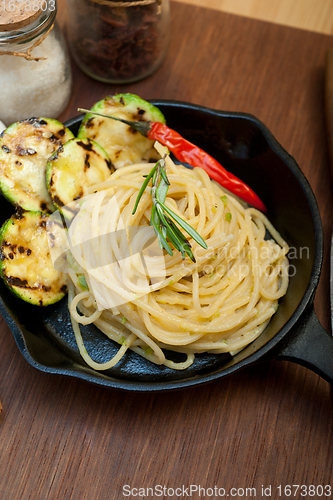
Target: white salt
x=35, y=88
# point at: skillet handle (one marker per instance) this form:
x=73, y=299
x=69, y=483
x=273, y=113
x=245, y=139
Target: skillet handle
x=311, y=346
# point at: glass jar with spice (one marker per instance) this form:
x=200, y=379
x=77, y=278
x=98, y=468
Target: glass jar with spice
x=117, y=41
x=35, y=73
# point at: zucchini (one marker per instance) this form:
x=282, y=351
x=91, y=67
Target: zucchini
x=25, y=262
x=123, y=144
x=25, y=148
x=77, y=165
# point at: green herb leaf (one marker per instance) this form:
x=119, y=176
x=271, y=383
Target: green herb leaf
x=163, y=172
x=160, y=236
x=184, y=244
x=82, y=282
x=162, y=190
x=143, y=187
x=189, y=229
x=164, y=226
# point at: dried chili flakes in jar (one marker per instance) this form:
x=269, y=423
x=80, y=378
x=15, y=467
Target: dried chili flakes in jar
x=118, y=41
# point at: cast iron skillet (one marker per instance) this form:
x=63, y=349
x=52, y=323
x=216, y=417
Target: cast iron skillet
x=247, y=148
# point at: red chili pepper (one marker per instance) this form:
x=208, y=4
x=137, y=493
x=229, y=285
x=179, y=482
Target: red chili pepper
x=189, y=153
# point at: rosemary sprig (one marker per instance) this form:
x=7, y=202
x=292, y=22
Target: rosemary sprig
x=161, y=215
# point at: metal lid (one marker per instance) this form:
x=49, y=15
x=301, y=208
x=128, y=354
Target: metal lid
x=14, y=15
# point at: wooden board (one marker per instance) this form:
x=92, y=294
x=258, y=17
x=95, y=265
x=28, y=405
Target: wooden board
x=266, y=426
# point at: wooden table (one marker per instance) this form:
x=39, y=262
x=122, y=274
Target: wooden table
x=313, y=15
x=268, y=425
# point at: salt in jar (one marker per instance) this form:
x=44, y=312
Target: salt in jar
x=35, y=73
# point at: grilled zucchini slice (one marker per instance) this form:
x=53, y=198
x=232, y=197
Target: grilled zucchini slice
x=123, y=144
x=25, y=148
x=76, y=166
x=25, y=265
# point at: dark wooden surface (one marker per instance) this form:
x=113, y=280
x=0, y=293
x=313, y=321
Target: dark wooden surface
x=268, y=425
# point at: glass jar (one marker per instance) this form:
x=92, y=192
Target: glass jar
x=35, y=73
x=117, y=41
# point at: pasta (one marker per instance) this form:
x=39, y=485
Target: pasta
x=218, y=304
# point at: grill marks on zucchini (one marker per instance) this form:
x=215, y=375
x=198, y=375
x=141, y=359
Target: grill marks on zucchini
x=123, y=144
x=42, y=166
x=75, y=167
x=26, y=266
x=24, y=150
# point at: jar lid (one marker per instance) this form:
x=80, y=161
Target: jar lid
x=14, y=15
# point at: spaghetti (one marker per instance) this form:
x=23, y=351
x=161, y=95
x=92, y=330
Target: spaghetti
x=218, y=304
